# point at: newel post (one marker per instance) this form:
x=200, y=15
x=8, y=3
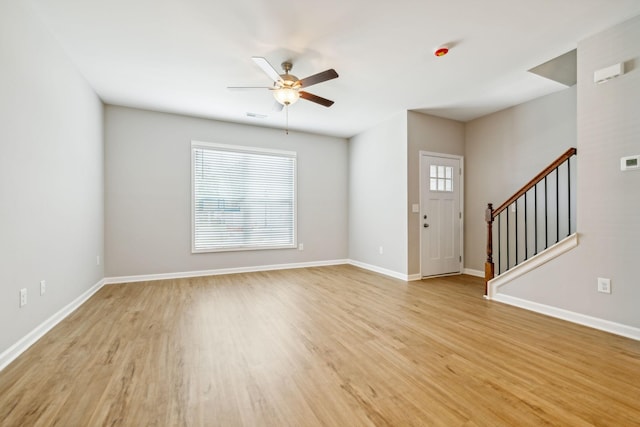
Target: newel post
x=488, y=266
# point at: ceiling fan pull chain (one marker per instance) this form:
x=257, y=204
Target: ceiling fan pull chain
x=286, y=108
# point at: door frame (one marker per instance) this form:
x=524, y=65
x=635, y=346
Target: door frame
x=461, y=195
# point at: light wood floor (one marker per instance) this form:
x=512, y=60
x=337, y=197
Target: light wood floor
x=330, y=346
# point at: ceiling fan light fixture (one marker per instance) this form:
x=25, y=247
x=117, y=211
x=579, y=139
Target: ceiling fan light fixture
x=286, y=95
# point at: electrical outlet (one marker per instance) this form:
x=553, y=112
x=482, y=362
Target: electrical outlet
x=97, y=259
x=381, y=250
x=23, y=297
x=604, y=285
x=43, y=287
x=301, y=246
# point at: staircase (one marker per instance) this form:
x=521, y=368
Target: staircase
x=537, y=217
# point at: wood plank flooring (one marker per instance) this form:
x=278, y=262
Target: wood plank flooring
x=329, y=346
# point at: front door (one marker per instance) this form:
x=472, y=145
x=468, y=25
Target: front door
x=440, y=215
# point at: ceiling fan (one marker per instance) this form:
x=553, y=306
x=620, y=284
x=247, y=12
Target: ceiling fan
x=286, y=87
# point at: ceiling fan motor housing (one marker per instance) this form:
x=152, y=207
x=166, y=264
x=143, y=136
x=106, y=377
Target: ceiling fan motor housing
x=289, y=80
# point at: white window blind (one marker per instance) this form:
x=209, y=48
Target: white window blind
x=243, y=198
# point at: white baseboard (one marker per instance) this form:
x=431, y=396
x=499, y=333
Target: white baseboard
x=10, y=354
x=472, y=272
x=532, y=263
x=384, y=271
x=199, y=273
x=401, y=276
x=581, y=319
x=220, y=271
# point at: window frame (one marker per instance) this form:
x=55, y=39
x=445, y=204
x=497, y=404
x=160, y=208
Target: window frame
x=250, y=150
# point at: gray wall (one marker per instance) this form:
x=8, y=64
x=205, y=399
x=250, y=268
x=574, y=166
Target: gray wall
x=426, y=133
x=608, y=199
x=504, y=151
x=378, y=195
x=148, y=193
x=51, y=176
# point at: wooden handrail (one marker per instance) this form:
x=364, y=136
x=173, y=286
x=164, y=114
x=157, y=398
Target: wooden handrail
x=528, y=186
x=491, y=214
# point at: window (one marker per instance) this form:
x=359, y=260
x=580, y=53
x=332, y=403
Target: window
x=243, y=198
x=441, y=178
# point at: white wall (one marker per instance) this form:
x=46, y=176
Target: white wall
x=504, y=151
x=426, y=133
x=148, y=193
x=378, y=195
x=608, y=199
x=51, y=176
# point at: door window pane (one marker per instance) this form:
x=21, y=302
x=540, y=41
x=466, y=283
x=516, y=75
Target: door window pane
x=441, y=178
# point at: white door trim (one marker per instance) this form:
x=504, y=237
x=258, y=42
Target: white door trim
x=420, y=184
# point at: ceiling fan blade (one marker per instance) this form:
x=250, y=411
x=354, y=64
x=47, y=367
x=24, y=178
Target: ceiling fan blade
x=267, y=68
x=318, y=78
x=315, y=98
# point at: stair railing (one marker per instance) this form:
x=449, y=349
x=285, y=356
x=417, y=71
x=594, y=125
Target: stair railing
x=540, y=223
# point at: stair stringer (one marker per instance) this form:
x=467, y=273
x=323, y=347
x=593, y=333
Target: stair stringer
x=532, y=263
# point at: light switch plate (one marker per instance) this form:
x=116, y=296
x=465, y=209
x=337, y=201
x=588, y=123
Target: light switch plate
x=604, y=285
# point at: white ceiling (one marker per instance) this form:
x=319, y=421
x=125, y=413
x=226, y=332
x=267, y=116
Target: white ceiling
x=180, y=55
